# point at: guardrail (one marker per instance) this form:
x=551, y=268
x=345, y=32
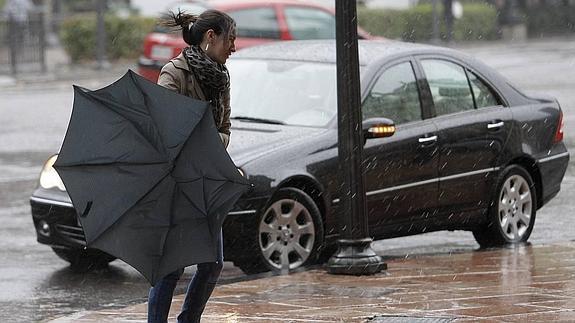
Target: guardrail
x=22, y=45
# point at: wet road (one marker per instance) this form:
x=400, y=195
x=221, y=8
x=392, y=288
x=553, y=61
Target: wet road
x=35, y=285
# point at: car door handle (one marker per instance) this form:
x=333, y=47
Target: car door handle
x=427, y=139
x=495, y=125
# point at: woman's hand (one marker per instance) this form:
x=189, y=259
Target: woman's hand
x=225, y=139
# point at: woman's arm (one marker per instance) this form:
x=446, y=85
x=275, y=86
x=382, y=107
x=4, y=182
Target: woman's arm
x=168, y=78
x=226, y=124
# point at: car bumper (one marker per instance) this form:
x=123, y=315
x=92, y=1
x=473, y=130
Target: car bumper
x=149, y=68
x=56, y=224
x=553, y=168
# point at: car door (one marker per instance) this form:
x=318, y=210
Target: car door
x=401, y=170
x=473, y=128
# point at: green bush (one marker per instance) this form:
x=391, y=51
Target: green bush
x=418, y=23
x=124, y=36
x=479, y=21
x=551, y=19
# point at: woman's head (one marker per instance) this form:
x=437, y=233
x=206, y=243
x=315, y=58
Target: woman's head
x=213, y=30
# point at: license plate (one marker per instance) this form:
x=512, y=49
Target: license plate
x=161, y=52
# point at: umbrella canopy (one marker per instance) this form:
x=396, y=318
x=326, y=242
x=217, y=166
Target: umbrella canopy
x=148, y=175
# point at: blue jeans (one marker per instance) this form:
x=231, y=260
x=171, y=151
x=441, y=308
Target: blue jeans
x=199, y=291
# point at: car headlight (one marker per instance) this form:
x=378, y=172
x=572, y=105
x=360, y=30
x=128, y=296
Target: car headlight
x=49, y=178
x=241, y=172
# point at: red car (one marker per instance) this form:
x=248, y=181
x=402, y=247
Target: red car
x=257, y=22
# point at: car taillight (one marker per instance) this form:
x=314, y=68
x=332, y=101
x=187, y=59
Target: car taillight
x=559, y=133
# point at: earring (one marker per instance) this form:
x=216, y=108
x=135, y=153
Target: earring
x=207, y=46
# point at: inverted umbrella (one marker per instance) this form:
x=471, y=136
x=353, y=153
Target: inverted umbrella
x=148, y=175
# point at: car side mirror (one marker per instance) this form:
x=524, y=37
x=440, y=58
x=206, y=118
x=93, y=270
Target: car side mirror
x=378, y=128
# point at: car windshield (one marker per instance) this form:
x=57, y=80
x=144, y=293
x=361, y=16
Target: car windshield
x=286, y=92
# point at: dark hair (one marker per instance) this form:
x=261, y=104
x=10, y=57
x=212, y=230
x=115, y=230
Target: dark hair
x=194, y=27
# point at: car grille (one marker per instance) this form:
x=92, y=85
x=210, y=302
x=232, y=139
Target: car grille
x=62, y=220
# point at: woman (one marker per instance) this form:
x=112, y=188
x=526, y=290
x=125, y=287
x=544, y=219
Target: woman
x=198, y=72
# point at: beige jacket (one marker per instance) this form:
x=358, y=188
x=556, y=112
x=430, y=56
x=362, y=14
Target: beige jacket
x=177, y=76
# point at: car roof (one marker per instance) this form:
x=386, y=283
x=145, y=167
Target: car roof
x=324, y=51
x=241, y=3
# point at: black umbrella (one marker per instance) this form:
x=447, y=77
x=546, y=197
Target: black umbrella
x=148, y=175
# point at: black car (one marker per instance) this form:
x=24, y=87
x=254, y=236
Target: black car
x=470, y=152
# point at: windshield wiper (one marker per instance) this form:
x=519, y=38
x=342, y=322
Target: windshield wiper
x=258, y=120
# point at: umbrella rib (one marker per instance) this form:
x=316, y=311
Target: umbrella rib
x=160, y=178
x=115, y=164
x=92, y=96
x=179, y=180
x=132, y=76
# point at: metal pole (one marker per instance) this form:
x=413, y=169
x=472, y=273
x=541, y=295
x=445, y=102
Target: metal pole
x=101, y=36
x=355, y=255
x=13, y=35
x=42, y=42
x=435, y=33
x=448, y=14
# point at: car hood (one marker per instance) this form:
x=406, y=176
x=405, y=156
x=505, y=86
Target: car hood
x=250, y=141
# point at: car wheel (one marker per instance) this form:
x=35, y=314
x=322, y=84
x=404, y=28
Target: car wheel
x=84, y=259
x=289, y=234
x=512, y=212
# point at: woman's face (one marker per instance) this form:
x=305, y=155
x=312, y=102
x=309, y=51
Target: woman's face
x=221, y=46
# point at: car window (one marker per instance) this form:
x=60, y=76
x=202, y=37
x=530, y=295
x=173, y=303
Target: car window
x=308, y=23
x=449, y=86
x=484, y=96
x=394, y=96
x=256, y=23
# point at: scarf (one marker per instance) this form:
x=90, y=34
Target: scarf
x=213, y=77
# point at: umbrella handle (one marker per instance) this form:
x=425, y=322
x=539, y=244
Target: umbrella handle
x=87, y=209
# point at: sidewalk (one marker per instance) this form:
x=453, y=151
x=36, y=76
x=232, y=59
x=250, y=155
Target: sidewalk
x=61, y=73
x=522, y=284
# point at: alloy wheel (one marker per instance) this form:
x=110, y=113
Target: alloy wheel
x=286, y=234
x=515, y=207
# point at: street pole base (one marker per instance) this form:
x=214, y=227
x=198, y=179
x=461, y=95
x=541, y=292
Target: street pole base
x=355, y=257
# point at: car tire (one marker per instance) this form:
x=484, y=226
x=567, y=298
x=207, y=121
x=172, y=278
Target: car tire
x=512, y=212
x=283, y=237
x=83, y=260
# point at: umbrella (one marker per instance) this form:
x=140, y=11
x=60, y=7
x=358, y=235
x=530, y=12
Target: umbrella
x=148, y=175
